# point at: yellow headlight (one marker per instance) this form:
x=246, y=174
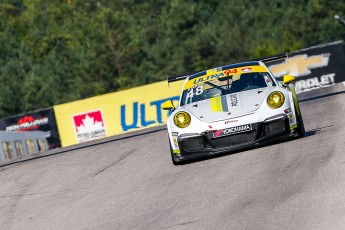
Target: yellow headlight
x=182, y=119
x=275, y=100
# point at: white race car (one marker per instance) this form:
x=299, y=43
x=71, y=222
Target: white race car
x=231, y=107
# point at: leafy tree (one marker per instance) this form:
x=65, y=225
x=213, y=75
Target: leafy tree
x=53, y=52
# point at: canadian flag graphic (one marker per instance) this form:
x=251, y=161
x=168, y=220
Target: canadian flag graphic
x=248, y=69
x=89, y=126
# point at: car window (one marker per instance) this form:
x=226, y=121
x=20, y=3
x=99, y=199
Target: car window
x=226, y=85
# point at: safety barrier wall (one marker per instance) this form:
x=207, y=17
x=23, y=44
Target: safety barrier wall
x=14, y=145
x=114, y=113
x=40, y=120
x=314, y=67
x=140, y=107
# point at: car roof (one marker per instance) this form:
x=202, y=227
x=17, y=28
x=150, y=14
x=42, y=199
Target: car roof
x=225, y=67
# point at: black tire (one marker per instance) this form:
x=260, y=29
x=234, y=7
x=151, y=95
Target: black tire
x=173, y=158
x=300, y=130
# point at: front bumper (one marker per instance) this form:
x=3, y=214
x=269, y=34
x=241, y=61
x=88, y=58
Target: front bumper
x=194, y=146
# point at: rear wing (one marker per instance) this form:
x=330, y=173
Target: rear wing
x=265, y=59
x=178, y=78
x=272, y=57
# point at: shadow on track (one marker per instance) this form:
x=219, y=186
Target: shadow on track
x=307, y=134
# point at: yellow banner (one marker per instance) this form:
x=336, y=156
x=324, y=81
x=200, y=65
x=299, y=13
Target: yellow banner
x=115, y=113
x=215, y=74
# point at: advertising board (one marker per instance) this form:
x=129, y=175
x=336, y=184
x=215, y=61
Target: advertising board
x=314, y=67
x=115, y=113
x=140, y=107
x=42, y=120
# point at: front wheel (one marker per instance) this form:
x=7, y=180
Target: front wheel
x=174, y=160
x=300, y=125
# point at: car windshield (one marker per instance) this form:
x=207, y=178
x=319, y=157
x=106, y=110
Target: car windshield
x=226, y=85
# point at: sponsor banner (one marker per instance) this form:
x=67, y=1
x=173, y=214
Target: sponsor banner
x=140, y=107
x=115, y=113
x=314, y=67
x=41, y=120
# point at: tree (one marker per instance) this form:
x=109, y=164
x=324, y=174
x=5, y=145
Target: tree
x=55, y=51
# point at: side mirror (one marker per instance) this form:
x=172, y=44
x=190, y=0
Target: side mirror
x=288, y=79
x=168, y=105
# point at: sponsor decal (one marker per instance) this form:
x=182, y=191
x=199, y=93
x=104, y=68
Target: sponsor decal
x=218, y=133
x=300, y=65
x=314, y=83
x=213, y=74
x=286, y=111
x=230, y=71
x=268, y=80
x=230, y=121
x=289, y=114
x=232, y=130
x=290, y=118
x=248, y=69
x=233, y=100
x=219, y=104
x=89, y=126
x=207, y=78
x=28, y=123
x=175, y=142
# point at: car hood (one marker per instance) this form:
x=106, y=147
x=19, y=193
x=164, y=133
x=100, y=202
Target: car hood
x=228, y=106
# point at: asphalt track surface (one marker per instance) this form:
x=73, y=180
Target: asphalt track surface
x=130, y=183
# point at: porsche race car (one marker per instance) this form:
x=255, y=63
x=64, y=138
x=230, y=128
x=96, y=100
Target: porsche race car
x=231, y=107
